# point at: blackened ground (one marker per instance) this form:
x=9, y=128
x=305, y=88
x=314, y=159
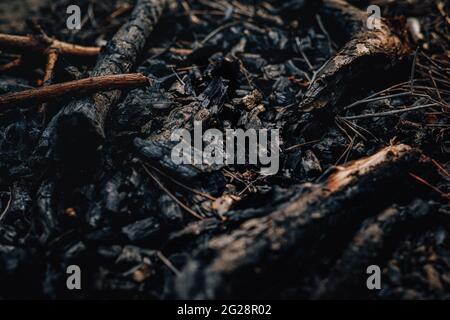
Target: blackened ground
x=126, y=215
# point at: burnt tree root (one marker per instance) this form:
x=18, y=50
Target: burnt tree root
x=262, y=246
x=41, y=44
x=371, y=245
x=367, y=51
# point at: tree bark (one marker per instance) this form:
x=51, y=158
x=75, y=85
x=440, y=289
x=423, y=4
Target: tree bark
x=373, y=241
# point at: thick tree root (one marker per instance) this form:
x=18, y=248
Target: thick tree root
x=262, y=246
x=76, y=87
x=367, y=51
x=370, y=246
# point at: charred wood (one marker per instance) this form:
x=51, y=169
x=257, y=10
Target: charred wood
x=87, y=115
x=262, y=246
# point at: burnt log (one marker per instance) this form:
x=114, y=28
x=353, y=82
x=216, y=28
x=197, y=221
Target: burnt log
x=85, y=118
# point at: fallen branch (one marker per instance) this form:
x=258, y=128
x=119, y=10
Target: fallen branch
x=41, y=44
x=251, y=255
x=76, y=87
x=52, y=58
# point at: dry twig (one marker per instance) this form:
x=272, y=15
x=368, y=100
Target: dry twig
x=76, y=87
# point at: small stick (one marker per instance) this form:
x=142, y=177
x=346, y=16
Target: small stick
x=322, y=27
x=413, y=70
x=357, y=103
x=41, y=44
x=121, y=10
x=203, y=194
x=218, y=30
x=440, y=167
x=76, y=87
x=388, y=113
x=8, y=205
x=425, y=182
x=11, y=65
x=168, y=263
x=52, y=58
x=301, y=145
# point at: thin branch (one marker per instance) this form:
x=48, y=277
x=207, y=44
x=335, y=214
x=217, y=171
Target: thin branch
x=52, y=58
x=218, y=30
x=425, y=182
x=440, y=167
x=389, y=113
x=77, y=87
x=200, y=193
x=8, y=205
x=41, y=44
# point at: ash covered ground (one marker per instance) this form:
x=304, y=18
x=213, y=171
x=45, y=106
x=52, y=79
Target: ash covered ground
x=363, y=173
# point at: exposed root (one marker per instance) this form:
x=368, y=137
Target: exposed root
x=52, y=58
x=260, y=245
x=367, y=247
x=366, y=51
